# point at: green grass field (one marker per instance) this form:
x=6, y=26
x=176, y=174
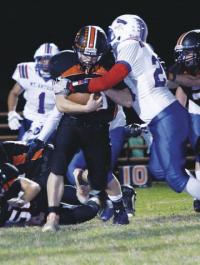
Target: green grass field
x=165, y=230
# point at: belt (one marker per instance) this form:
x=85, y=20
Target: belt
x=87, y=124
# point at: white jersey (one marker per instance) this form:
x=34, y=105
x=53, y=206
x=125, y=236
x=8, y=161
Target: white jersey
x=119, y=120
x=38, y=93
x=146, y=79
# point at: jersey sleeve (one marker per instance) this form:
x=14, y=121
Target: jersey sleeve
x=128, y=53
x=20, y=74
x=51, y=124
x=110, y=79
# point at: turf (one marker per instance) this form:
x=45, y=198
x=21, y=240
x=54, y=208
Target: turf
x=165, y=230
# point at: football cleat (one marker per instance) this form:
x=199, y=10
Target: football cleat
x=107, y=211
x=120, y=214
x=52, y=223
x=129, y=198
x=196, y=205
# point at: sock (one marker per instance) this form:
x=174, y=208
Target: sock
x=115, y=198
x=197, y=174
x=53, y=209
x=193, y=187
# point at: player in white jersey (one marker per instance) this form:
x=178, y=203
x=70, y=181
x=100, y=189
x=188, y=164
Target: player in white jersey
x=34, y=80
x=167, y=119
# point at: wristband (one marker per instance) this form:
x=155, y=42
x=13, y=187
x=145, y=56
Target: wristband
x=79, y=86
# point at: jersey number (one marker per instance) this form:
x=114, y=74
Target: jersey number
x=159, y=82
x=41, y=103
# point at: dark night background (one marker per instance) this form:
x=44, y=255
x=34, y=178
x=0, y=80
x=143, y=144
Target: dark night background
x=27, y=24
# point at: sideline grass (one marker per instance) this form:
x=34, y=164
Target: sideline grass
x=164, y=231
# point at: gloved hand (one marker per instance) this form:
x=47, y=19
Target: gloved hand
x=16, y=202
x=33, y=131
x=133, y=129
x=14, y=120
x=35, y=146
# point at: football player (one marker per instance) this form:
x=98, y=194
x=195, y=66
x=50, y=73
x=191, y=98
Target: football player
x=155, y=104
x=24, y=201
x=185, y=74
x=34, y=81
x=84, y=127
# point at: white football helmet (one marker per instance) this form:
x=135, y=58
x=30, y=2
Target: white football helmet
x=46, y=49
x=42, y=57
x=127, y=27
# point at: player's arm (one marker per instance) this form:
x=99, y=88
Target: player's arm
x=13, y=117
x=67, y=106
x=181, y=96
x=122, y=97
x=26, y=189
x=30, y=189
x=185, y=79
x=50, y=125
x=110, y=79
x=171, y=84
x=64, y=105
x=13, y=97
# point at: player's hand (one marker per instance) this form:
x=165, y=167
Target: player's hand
x=16, y=202
x=35, y=146
x=94, y=104
x=14, y=120
x=133, y=129
x=175, y=69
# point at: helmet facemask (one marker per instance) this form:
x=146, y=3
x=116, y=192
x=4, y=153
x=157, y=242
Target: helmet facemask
x=88, y=61
x=187, y=50
x=42, y=66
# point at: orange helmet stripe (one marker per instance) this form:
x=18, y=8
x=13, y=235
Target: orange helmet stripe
x=92, y=37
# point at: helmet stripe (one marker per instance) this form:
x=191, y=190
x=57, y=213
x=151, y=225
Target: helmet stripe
x=47, y=48
x=180, y=39
x=92, y=37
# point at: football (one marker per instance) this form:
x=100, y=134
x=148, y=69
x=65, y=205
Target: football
x=81, y=98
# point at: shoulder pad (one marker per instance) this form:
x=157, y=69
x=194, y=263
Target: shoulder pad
x=61, y=62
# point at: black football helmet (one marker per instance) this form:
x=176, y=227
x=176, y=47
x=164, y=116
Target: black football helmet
x=90, y=44
x=187, y=49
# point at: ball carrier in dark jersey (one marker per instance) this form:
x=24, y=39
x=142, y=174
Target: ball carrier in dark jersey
x=82, y=130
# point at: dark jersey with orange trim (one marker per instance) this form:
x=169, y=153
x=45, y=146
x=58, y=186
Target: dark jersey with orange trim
x=12, y=164
x=14, y=152
x=193, y=93
x=66, y=64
